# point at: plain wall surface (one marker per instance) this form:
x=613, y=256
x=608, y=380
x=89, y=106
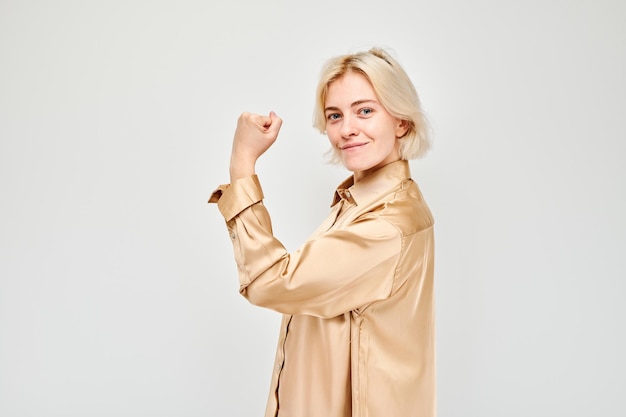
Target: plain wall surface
x=118, y=288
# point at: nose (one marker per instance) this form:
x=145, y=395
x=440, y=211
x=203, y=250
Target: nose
x=348, y=128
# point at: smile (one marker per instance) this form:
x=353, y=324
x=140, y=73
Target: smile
x=352, y=146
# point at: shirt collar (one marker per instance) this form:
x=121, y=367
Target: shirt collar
x=373, y=184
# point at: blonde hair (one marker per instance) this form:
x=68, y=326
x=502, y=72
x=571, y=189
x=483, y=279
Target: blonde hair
x=393, y=88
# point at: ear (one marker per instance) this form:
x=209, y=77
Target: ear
x=402, y=128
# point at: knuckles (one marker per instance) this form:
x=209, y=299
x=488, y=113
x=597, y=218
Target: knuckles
x=244, y=116
x=247, y=118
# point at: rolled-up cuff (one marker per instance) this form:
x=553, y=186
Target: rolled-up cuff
x=233, y=198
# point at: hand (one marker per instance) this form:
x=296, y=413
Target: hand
x=254, y=135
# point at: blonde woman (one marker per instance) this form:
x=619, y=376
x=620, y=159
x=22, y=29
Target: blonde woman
x=357, y=335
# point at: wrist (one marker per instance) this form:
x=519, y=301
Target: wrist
x=240, y=167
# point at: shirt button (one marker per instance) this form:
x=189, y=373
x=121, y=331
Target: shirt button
x=348, y=194
x=232, y=235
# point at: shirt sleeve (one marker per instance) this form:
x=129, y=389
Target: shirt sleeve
x=336, y=272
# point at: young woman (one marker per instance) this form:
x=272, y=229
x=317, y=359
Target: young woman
x=357, y=336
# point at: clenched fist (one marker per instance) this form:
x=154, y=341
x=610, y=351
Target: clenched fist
x=254, y=135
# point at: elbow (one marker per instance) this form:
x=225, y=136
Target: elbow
x=292, y=302
x=260, y=297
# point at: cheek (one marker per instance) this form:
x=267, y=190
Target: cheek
x=390, y=136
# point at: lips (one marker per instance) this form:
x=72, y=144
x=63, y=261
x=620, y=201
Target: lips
x=353, y=145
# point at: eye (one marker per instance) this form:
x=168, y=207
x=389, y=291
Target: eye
x=366, y=111
x=333, y=116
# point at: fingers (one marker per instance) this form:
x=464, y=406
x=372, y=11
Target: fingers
x=275, y=123
x=264, y=121
x=268, y=124
x=253, y=119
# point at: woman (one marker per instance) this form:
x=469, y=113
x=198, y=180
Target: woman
x=357, y=336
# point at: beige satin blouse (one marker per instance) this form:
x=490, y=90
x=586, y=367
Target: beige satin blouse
x=358, y=332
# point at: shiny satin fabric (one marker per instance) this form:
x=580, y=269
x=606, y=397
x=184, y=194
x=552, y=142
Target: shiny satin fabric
x=358, y=332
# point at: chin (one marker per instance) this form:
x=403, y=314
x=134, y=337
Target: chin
x=357, y=167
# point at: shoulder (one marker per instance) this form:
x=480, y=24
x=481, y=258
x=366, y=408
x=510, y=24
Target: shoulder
x=404, y=208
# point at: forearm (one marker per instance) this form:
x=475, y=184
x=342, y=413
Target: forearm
x=241, y=166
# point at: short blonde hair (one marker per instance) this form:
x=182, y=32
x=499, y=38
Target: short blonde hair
x=393, y=88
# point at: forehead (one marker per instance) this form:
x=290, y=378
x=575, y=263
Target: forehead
x=348, y=89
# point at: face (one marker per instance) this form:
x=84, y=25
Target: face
x=362, y=132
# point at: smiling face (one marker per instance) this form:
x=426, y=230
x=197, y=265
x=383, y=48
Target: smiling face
x=362, y=132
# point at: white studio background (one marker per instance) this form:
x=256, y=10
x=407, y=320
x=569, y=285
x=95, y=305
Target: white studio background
x=118, y=291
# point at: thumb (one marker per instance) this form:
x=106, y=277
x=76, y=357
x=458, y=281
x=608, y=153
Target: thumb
x=275, y=123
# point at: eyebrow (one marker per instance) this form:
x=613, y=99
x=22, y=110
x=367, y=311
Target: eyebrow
x=356, y=103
